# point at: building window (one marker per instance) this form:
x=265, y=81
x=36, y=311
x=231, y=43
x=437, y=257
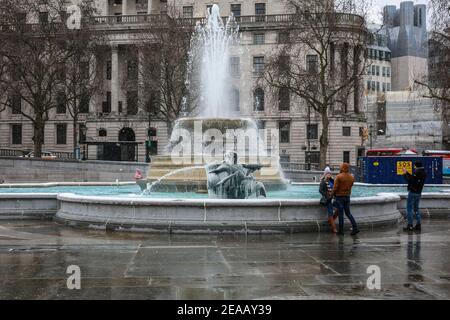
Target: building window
x=258, y=97
x=260, y=124
x=378, y=86
x=61, y=103
x=61, y=72
x=387, y=56
x=235, y=66
x=84, y=103
x=284, y=65
x=368, y=85
x=43, y=17
x=373, y=70
x=235, y=100
x=82, y=133
x=102, y=133
x=346, y=157
x=346, y=131
x=16, y=134
x=132, y=69
x=188, y=12
x=312, y=157
x=285, y=131
x=285, y=158
x=312, y=131
x=388, y=71
x=384, y=72
x=374, y=86
x=15, y=103
x=108, y=69
x=84, y=70
x=284, y=99
x=236, y=10
x=388, y=87
x=132, y=102
x=258, y=66
x=378, y=71
x=283, y=37
x=106, y=107
x=260, y=9
x=61, y=133
x=384, y=87
x=163, y=7
x=259, y=38
x=312, y=63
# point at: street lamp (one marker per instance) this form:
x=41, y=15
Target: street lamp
x=83, y=130
x=308, y=137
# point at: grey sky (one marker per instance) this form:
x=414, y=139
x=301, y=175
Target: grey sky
x=379, y=4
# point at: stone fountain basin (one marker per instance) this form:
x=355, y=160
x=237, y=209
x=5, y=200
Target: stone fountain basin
x=216, y=215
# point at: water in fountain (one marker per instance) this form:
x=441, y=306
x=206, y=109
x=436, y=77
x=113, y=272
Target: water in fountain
x=150, y=186
x=212, y=42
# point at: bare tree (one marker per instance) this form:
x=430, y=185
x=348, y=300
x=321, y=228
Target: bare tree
x=33, y=54
x=158, y=65
x=322, y=60
x=81, y=81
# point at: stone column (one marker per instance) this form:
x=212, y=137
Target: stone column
x=105, y=8
x=115, y=79
x=140, y=76
x=124, y=7
x=153, y=7
x=149, y=6
x=93, y=76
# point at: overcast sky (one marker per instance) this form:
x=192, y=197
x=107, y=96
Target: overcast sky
x=379, y=4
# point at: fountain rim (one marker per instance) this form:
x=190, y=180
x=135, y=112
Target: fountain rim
x=259, y=202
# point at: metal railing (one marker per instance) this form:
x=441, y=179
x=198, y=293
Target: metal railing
x=64, y=155
x=21, y=153
x=11, y=153
x=161, y=20
x=296, y=166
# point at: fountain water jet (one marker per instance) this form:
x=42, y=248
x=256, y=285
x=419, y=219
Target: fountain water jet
x=213, y=41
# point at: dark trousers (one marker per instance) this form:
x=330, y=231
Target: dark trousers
x=412, y=206
x=343, y=205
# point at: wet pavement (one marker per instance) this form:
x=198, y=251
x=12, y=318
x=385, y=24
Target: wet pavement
x=35, y=255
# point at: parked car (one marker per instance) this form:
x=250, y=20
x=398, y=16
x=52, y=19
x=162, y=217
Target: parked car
x=44, y=155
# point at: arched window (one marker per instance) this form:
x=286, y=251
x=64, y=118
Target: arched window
x=235, y=100
x=258, y=99
x=102, y=133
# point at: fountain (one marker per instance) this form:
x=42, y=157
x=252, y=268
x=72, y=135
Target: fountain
x=210, y=54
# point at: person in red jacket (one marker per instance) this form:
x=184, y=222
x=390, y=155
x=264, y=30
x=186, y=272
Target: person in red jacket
x=342, y=190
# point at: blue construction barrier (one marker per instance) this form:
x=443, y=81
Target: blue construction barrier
x=389, y=170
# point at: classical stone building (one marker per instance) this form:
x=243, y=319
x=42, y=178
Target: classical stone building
x=111, y=130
